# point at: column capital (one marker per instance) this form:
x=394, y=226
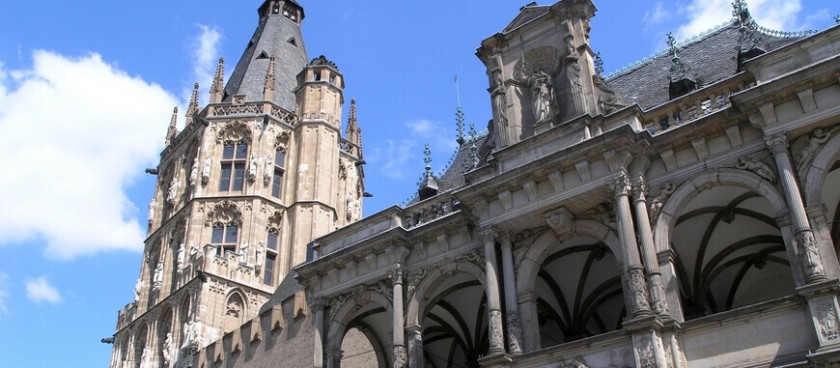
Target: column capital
x=777, y=143
x=318, y=304
x=621, y=185
x=396, y=275
x=640, y=188
x=489, y=234
x=504, y=239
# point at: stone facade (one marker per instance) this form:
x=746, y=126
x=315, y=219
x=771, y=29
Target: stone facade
x=684, y=219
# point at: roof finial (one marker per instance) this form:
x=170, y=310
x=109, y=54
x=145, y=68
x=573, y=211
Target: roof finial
x=740, y=11
x=672, y=46
x=427, y=158
x=173, y=130
x=837, y=19
x=459, y=114
x=218, y=82
x=192, y=108
x=678, y=69
x=473, y=147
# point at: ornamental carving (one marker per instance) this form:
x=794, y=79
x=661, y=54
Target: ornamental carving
x=807, y=146
x=757, y=166
x=621, y=184
x=576, y=362
x=234, y=131
x=644, y=350
x=659, y=201
x=317, y=304
x=224, y=212
x=400, y=357
x=282, y=140
x=514, y=333
x=396, y=275
x=809, y=254
x=636, y=286
x=495, y=326
x=827, y=319
x=777, y=144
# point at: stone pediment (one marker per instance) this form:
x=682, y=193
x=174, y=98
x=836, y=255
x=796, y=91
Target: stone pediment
x=527, y=14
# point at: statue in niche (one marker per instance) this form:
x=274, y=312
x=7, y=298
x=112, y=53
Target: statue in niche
x=252, y=169
x=180, y=259
x=146, y=358
x=205, y=171
x=194, y=172
x=152, y=211
x=166, y=351
x=172, y=195
x=192, y=333
x=269, y=169
x=258, y=257
x=243, y=253
x=542, y=96
x=138, y=289
x=157, y=278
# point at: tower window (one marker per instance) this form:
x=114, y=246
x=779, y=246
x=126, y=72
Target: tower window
x=279, y=168
x=234, y=156
x=290, y=12
x=271, y=256
x=224, y=237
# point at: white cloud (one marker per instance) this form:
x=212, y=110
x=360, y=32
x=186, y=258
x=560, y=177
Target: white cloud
x=205, y=52
x=40, y=290
x=4, y=293
x=705, y=14
x=78, y=132
x=655, y=15
x=402, y=158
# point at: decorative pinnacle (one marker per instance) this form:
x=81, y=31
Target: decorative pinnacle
x=352, y=114
x=459, y=121
x=837, y=19
x=473, y=147
x=174, y=117
x=427, y=158
x=269, y=76
x=740, y=11
x=218, y=80
x=193, y=106
x=599, y=64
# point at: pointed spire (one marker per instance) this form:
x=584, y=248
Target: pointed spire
x=353, y=132
x=459, y=114
x=268, y=89
x=599, y=64
x=427, y=158
x=740, y=11
x=192, y=108
x=173, y=129
x=218, y=82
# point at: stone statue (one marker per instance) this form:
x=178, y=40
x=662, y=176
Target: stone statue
x=542, y=97
x=180, y=258
x=269, y=169
x=172, y=195
x=151, y=211
x=243, y=253
x=259, y=254
x=657, y=203
x=146, y=358
x=157, y=277
x=205, y=171
x=252, y=169
x=166, y=351
x=352, y=208
x=192, y=333
x=194, y=172
x=138, y=289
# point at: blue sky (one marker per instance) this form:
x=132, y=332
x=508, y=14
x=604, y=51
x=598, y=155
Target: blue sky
x=91, y=86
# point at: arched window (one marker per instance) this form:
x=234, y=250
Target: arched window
x=234, y=157
x=272, y=244
x=279, y=168
x=234, y=311
x=224, y=237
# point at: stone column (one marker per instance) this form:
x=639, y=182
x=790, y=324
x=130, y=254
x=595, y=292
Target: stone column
x=494, y=312
x=634, y=278
x=806, y=244
x=318, y=304
x=400, y=354
x=657, y=290
x=334, y=356
x=514, y=327
x=415, y=347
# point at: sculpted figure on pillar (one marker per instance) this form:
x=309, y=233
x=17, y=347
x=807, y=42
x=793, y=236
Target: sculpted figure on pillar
x=809, y=255
x=400, y=357
x=194, y=172
x=636, y=285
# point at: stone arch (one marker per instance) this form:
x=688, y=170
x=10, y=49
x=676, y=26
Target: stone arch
x=418, y=299
x=530, y=262
x=348, y=310
x=719, y=177
x=235, y=310
x=820, y=166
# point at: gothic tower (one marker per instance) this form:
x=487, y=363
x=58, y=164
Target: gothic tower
x=242, y=190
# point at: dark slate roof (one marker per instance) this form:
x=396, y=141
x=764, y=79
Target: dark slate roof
x=710, y=58
x=272, y=38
